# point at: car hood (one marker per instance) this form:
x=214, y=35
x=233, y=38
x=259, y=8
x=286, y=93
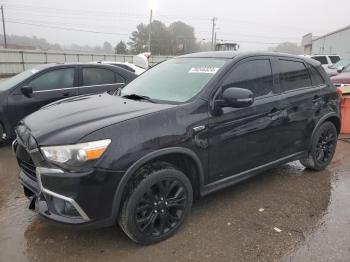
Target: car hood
x=342, y=78
x=69, y=120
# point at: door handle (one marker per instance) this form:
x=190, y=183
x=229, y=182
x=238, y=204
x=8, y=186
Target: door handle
x=66, y=94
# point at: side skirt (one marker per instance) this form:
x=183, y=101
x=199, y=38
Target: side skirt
x=234, y=179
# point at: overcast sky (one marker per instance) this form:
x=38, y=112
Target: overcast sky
x=255, y=24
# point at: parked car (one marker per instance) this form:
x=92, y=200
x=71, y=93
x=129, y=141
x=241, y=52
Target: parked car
x=337, y=68
x=185, y=128
x=326, y=60
x=34, y=88
x=343, y=78
x=125, y=65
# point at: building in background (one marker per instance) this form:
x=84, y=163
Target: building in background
x=337, y=43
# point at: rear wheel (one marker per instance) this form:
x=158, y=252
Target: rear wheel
x=157, y=206
x=322, y=147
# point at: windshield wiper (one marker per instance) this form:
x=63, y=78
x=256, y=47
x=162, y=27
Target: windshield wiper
x=138, y=97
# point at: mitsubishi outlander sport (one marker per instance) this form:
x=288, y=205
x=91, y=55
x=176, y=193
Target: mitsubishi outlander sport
x=185, y=128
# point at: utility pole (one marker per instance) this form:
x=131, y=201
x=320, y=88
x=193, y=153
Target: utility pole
x=215, y=40
x=150, y=31
x=3, y=25
x=212, y=32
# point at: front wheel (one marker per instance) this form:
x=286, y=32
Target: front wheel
x=322, y=147
x=157, y=206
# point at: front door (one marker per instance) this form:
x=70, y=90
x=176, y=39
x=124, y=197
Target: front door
x=48, y=87
x=244, y=138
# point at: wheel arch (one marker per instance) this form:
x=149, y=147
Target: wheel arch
x=332, y=117
x=158, y=155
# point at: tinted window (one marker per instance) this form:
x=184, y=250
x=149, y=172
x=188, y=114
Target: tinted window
x=56, y=79
x=316, y=77
x=98, y=76
x=321, y=59
x=334, y=59
x=293, y=75
x=254, y=75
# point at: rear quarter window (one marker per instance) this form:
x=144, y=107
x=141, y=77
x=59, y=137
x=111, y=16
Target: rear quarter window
x=316, y=77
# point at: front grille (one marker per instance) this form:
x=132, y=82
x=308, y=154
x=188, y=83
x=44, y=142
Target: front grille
x=25, y=162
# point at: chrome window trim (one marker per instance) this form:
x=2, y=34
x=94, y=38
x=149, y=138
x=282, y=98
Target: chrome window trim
x=40, y=170
x=75, y=87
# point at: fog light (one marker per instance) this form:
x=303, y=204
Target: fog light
x=64, y=208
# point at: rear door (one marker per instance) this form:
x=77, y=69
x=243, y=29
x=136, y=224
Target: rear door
x=303, y=103
x=245, y=138
x=99, y=80
x=48, y=86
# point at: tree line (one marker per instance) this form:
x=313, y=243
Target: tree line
x=176, y=39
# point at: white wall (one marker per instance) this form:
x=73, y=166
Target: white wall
x=14, y=61
x=337, y=43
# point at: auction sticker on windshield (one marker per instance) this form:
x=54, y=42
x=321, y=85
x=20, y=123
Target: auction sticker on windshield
x=203, y=70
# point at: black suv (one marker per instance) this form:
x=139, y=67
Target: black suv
x=185, y=128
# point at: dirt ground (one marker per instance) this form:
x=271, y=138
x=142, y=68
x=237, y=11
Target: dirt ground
x=311, y=209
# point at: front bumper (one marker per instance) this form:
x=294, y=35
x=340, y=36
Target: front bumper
x=84, y=199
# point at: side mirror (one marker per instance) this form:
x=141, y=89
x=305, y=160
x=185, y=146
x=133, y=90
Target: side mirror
x=27, y=90
x=236, y=97
x=340, y=69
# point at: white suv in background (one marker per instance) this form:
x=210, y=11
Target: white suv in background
x=327, y=61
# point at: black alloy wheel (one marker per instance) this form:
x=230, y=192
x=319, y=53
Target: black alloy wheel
x=322, y=147
x=161, y=208
x=326, y=145
x=157, y=206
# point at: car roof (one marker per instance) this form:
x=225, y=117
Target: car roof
x=235, y=54
x=51, y=65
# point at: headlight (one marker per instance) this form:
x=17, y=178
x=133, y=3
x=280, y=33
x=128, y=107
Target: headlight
x=75, y=155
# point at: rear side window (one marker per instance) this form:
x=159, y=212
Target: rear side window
x=334, y=59
x=255, y=75
x=316, y=77
x=55, y=79
x=293, y=75
x=100, y=76
x=322, y=59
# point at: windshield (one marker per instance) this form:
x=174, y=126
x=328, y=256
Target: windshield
x=176, y=80
x=15, y=80
x=340, y=64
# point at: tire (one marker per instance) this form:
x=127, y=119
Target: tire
x=157, y=206
x=322, y=148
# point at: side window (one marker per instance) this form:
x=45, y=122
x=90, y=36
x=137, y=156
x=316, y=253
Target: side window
x=334, y=59
x=255, y=75
x=293, y=75
x=56, y=79
x=322, y=59
x=316, y=77
x=119, y=78
x=97, y=76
